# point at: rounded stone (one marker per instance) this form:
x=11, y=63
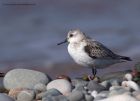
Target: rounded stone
x=24, y=78
x=55, y=98
x=79, y=82
x=76, y=96
x=118, y=90
x=131, y=84
x=92, y=85
x=40, y=87
x=50, y=92
x=136, y=94
x=121, y=97
x=62, y=85
x=25, y=96
x=103, y=94
x=60, y=98
x=4, y=97
x=128, y=76
x=14, y=92
x=106, y=84
x=115, y=82
x=79, y=87
x=88, y=97
x=48, y=98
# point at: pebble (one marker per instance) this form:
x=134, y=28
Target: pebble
x=104, y=94
x=79, y=82
x=4, y=97
x=88, y=97
x=26, y=96
x=50, y=92
x=117, y=90
x=92, y=85
x=14, y=92
x=94, y=93
x=60, y=98
x=136, y=94
x=123, y=97
x=55, y=98
x=115, y=82
x=128, y=76
x=131, y=84
x=99, y=96
x=79, y=87
x=48, y=98
x=24, y=78
x=62, y=85
x=40, y=87
x=64, y=77
x=76, y=96
x=106, y=84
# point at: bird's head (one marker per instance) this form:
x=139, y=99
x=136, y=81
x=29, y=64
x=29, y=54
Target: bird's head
x=74, y=36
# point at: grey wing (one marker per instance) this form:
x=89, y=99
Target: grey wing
x=97, y=50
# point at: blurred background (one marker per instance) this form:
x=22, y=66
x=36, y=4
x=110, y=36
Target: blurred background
x=30, y=30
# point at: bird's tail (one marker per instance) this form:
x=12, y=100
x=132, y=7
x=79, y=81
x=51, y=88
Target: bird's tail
x=125, y=58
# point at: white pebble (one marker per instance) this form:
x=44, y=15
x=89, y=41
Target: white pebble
x=131, y=84
x=62, y=85
x=94, y=93
x=128, y=77
x=123, y=97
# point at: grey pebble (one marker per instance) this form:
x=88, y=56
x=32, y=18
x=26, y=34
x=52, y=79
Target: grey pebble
x=79, y=82
x=26, y=96
x=92, y=85
x=55, y=98
x=103, y=93
x=4, y=97
x=50, y=92
x=48, y=98
x=60, y=98
x=99, y=98
x=24, y=78
x=115, y=82
x=40, y=87
x=88, y=97
x=106, y=84
x=76, y=96
x=80, y=87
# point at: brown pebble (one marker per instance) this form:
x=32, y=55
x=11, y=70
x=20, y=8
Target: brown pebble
x=14, y=92
x=64, y=77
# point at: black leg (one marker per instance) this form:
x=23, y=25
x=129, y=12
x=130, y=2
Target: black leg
x=94, y=71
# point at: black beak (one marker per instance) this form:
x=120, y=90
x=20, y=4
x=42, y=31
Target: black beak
x=62, y=42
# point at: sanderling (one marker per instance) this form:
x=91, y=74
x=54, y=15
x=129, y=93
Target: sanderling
x=89, y=52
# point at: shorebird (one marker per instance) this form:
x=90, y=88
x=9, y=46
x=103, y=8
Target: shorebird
x=89, y=52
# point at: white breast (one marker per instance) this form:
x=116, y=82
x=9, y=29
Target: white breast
x=77, y=52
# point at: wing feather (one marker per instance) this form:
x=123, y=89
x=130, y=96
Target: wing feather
x=98, y=50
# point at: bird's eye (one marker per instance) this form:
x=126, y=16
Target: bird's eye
x=71, y=35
